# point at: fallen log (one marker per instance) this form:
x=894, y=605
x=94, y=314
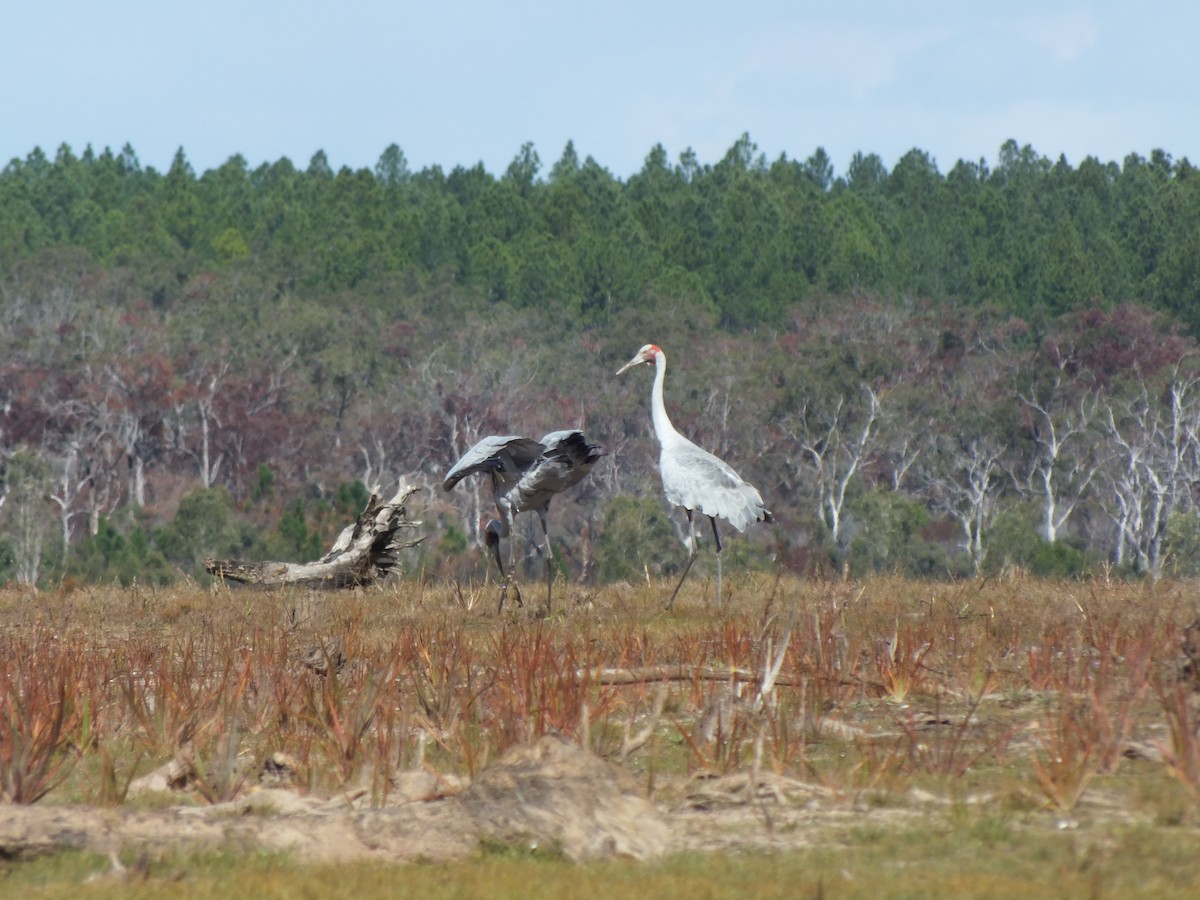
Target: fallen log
x=365, y=553
x=674, y=672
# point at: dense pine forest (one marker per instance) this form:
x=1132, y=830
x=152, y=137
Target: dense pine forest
x=925, y=372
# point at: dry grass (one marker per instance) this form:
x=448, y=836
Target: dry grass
x=991, y=709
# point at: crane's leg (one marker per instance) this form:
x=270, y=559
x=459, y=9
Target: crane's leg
x=717, y=538
x=549, y=560
x=693, y=551
x=494, y=540
x=505, y=577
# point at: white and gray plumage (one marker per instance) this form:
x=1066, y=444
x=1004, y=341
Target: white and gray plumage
x=692, y=477
x=526, y=475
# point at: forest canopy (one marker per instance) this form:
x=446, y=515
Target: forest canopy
x=923, y=371
x=744, y=237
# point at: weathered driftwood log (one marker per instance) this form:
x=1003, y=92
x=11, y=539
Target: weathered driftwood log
x=364, y=553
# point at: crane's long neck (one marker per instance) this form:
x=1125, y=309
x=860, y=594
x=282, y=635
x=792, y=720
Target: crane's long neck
x=663, y=428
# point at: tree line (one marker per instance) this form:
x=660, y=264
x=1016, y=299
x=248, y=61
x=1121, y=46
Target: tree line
x=230, y=372
x=743, y=239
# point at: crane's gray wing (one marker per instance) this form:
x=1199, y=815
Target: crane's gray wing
x=504, y=456
x=573, y=447
x=556, y=439
x=695, y=479
x=565, y=462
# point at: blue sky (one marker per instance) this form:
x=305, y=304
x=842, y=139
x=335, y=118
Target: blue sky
x=457, y=83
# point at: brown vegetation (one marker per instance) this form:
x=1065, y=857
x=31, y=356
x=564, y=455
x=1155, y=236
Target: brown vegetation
x=796, y=714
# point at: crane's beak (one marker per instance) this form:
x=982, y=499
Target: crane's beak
x=636, y=361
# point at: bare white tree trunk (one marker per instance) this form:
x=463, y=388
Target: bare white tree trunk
x=967, y=493
x=837, y=445
x=69, y=485
x=27, y=482
x=1154, y=462
x=1061, y=469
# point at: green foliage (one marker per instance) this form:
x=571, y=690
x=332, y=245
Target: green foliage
x=7, y=559
x=299, y=542
x=306, y=527
x=1181, y=545
x=1014, y=540
x=264, y=485
x=636, y=538
x=1029, y=235
x=453, y=541
x=110, y=556
x=856, y=260
x=230, y=245
x=206, y=525
x=385, y=313
x=885, y=530
x=351, y=498
x=1064, y=558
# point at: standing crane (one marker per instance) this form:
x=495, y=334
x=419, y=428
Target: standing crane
x=525, y=475
x=693, y=478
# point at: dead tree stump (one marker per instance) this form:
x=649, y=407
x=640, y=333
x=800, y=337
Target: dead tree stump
x=365, y=553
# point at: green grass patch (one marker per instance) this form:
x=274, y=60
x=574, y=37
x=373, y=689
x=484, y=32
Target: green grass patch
x=984, y=860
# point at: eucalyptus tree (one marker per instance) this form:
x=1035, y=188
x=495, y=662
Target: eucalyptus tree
x=203, y=384
x=24, y=488
x=837, y=439
x=966, y=486
x=1154, y=462
x=1063, y=463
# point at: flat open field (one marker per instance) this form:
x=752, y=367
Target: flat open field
x=876, y=738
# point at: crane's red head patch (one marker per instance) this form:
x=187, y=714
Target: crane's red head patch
x=647, y=355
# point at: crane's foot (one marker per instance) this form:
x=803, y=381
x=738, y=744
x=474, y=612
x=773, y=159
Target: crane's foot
x=504, y=594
